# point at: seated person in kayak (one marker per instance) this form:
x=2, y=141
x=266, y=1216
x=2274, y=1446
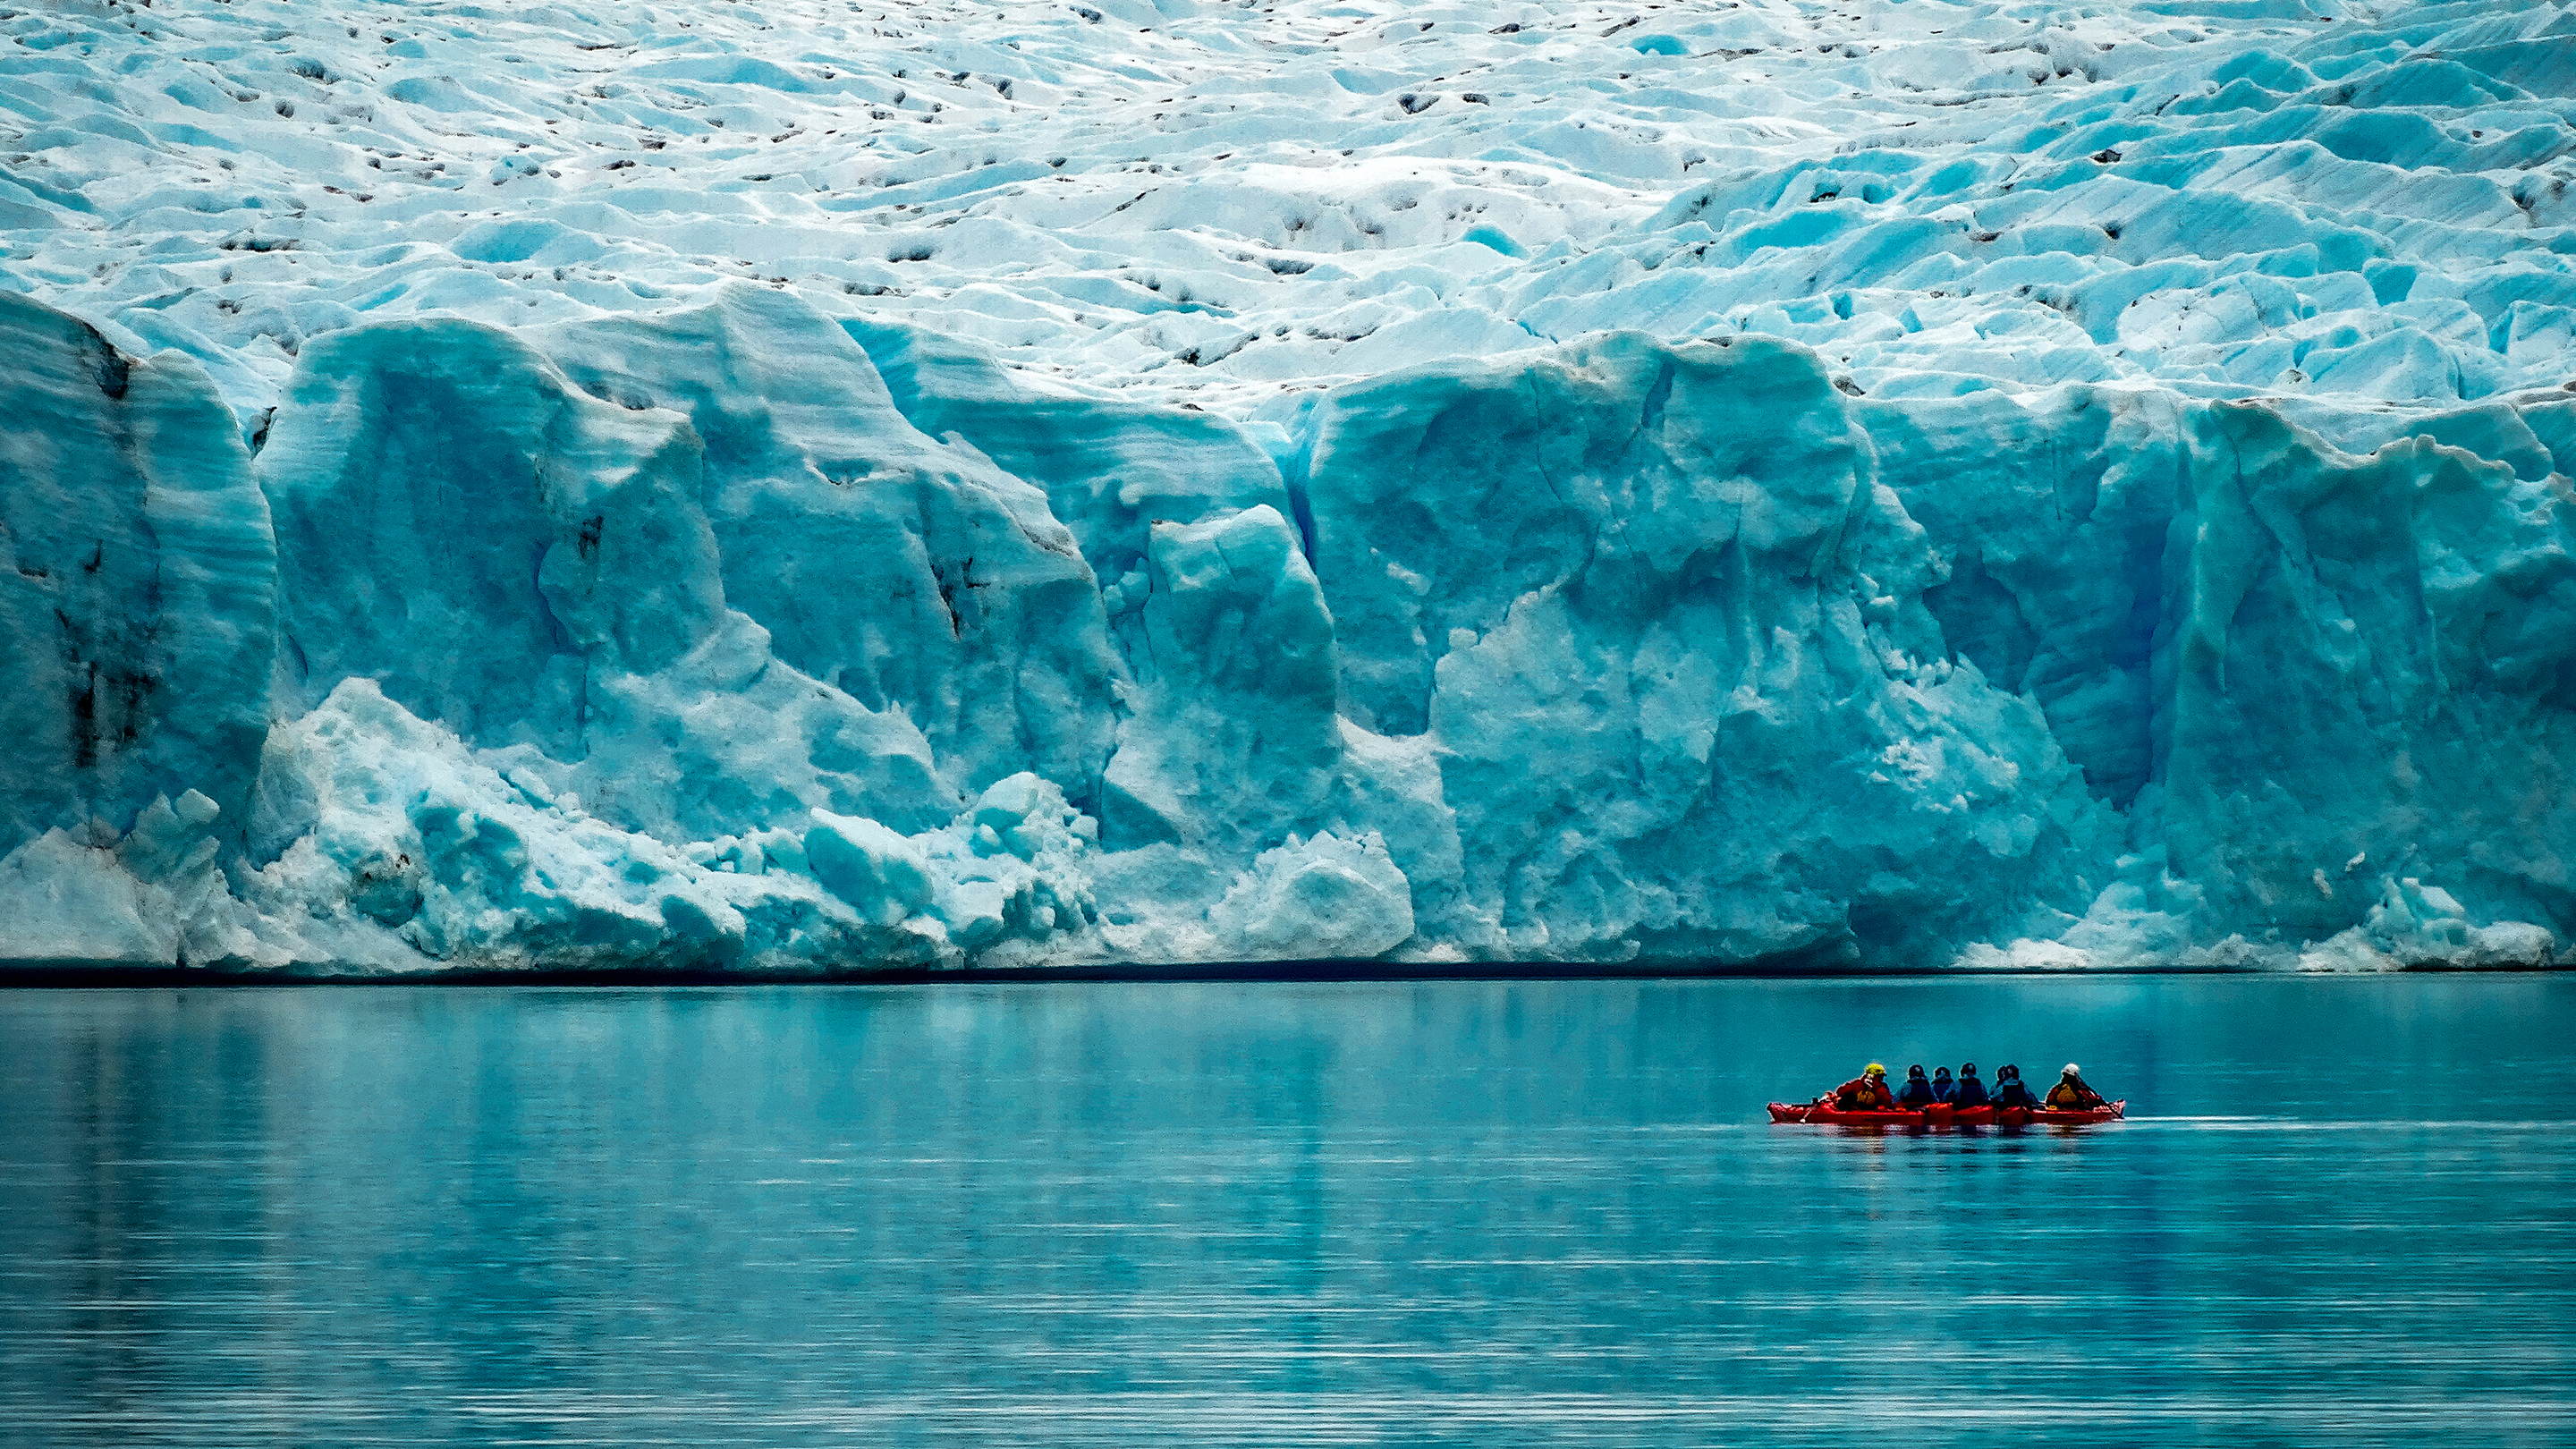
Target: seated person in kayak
x=1943, y=1089
x=1971, y=1092
x=1866, y=1092
x=2009, y=1092
x=2071, y=1095
x=1916, y=1094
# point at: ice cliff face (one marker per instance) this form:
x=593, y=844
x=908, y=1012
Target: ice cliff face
x=2057, y=493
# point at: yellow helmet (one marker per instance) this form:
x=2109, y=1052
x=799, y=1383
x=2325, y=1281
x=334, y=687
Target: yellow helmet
x=1875, y=1070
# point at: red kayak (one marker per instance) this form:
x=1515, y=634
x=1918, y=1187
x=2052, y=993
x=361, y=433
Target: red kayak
x=2045, y=1118
x=1944, y=1115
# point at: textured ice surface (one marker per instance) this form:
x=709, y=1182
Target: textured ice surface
x=798, y=486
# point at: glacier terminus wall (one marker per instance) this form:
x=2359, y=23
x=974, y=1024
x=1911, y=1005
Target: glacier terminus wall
x=1889, y=486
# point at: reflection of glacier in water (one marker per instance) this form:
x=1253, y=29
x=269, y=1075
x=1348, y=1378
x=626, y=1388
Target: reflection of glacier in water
x=1492, y=1214
x=758, y=488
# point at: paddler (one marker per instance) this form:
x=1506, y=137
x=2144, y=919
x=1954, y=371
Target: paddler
x=1972, y=1092
x=1916, y=1094
x=1943, y=1089
x=2009, y=1092
x=2071, y=1095
x=1866, y=1092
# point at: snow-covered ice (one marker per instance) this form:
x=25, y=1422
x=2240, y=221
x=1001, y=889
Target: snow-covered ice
x=796, y=486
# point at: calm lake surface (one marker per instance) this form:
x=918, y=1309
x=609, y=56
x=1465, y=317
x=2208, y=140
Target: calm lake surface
x=1507, y=1213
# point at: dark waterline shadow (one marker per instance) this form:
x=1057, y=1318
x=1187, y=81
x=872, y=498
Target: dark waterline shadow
x=83, y=975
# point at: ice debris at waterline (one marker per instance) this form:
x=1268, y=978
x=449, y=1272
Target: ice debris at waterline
x=785, y=488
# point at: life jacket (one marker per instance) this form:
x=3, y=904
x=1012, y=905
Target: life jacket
x=2014, y=1094
x=1944, y=1089
x=1861, y=1094
x=1971, y=1093
x=2072, y=1097
x=1915, y=1093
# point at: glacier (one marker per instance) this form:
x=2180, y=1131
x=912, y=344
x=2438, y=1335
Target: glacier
x=797, y=488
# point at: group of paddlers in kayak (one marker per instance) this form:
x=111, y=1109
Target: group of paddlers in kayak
x=1868, y=1092
x=1942, y=1101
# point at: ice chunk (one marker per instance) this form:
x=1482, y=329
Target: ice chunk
x=909, y=574
x=62, y=901
x=1235, y=732
x=137, y=582
x=1669, y=635
x=458, y=521
x=1323, y=898
x=881, y=874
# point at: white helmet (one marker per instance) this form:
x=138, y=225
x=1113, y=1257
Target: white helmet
x=2070, y=1071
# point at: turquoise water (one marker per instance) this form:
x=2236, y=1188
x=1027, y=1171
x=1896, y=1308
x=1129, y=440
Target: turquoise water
x=1453, y=1213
